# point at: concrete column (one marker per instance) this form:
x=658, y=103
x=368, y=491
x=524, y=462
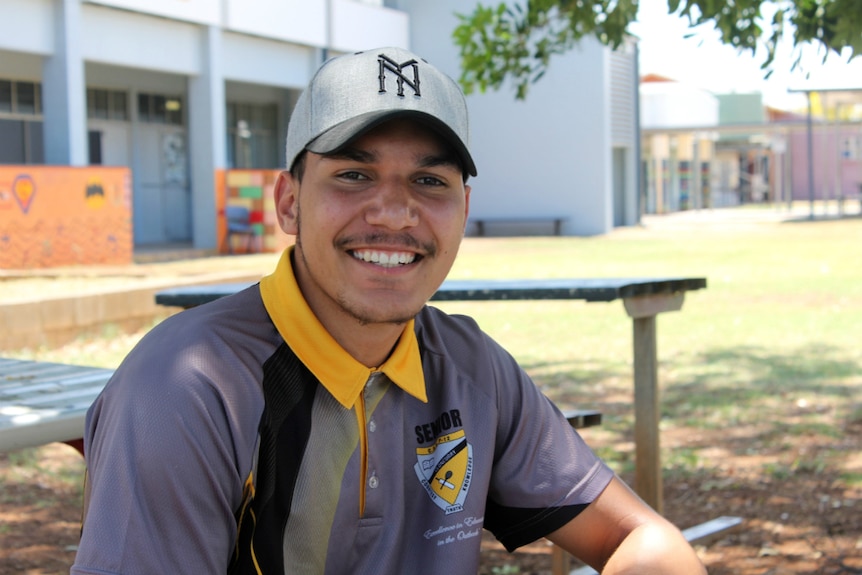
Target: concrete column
x=64, y=90
x=207, y=133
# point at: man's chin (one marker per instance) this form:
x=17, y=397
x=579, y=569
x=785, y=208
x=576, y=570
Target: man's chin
x=391, y=318
x=383, y=315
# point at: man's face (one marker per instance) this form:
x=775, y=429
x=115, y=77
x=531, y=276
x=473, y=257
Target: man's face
x=377, y=226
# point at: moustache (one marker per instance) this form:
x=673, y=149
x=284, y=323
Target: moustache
x=389, y=240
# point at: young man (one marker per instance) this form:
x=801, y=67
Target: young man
x=326, y=420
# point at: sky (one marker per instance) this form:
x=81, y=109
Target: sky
x=705, y=62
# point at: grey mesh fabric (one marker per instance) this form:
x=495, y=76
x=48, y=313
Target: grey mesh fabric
x=174, y=437
x=350, y=94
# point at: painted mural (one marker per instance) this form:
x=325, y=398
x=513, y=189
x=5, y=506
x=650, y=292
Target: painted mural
x=252, y=190
x=60, y=216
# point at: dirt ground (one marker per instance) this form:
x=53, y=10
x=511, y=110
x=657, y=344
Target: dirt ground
x=795, y=481
x=798, y=521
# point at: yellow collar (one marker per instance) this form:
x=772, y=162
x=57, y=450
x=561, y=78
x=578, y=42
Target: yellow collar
x=337, y=370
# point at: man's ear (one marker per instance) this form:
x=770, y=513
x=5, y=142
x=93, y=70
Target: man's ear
x=467, y=191
x=287, y=202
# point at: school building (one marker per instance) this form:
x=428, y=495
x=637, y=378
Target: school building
x=187, y=102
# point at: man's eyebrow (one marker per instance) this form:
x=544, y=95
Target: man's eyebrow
x=368, y=157
x=446, y=160
x=353, y=154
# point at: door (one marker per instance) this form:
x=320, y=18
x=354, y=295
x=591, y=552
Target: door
x=162, y=199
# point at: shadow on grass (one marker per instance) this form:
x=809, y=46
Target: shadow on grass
x=605, y=386
x=854, y=213
x=745, y=398
x=743, y=385
x=767, y=434
x=717, y=387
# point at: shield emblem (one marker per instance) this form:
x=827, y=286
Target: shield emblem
x=445, y=469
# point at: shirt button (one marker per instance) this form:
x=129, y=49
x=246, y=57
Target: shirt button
x=373, y=482
x=372, y=427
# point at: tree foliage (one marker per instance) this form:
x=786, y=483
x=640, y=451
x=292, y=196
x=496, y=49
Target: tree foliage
x=517, y=40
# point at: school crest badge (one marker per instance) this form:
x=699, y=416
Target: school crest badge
x=445, y=470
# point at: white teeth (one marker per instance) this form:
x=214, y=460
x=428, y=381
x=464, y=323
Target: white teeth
x=385, y=259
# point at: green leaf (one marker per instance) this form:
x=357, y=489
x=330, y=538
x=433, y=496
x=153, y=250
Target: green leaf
x=516, y=42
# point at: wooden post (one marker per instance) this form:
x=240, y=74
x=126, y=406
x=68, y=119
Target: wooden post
x=648, y=480
x=560, y=561
x=643, y=310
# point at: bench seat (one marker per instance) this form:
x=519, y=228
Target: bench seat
x=42, y=402
x=555, y=221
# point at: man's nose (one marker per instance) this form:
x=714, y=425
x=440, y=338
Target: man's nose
x=393, y=207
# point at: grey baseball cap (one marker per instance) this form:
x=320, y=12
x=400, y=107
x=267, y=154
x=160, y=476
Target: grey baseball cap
x=353, y=93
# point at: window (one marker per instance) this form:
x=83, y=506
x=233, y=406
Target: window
x=107, y=104
x=27, y=98
x=21, y=142
x=5, y=96
x=20, y=98
x=252, y=135
x=118, y=107
x=160, y=109
x=21, y=138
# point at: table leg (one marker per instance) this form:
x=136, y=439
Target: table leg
x=77, y=444
x=648, y=474
x=560, y=562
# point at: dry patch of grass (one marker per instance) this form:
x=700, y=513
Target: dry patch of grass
x=761, y=377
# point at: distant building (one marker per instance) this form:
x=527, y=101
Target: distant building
x=174, y=90
x=702, y=150
x=669, y=104
x=678, y=144
x=569, y=151
x=179, y=92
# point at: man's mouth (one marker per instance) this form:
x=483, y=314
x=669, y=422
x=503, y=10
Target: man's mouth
x=384, y=259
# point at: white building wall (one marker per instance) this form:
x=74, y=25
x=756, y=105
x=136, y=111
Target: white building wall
x=206, y=121
x=107, y=76
x=296, y=21
x=548, y=155
x=623, y=118
x=198, y=11
x=63, y=90
x=677, y=105
x=135, y=40
x=31, y=29
x=380, y=27
x=257, y=60
x=190, y=48
x=552, y=155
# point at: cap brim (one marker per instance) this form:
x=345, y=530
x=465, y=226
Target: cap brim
x=340, y=135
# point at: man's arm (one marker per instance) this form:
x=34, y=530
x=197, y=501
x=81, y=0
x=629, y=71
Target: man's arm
x=168, y=448
x=618, y=534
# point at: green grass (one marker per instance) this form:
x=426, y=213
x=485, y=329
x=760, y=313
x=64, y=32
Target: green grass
x=774, y=342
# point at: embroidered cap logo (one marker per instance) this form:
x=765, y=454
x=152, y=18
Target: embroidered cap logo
x=387, y=63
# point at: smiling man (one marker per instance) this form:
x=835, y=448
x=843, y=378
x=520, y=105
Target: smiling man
x=327, y=420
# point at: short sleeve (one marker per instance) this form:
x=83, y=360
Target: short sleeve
x=167, y=457
x=544, y=473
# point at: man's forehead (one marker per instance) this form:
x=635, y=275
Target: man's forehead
x=433, y=148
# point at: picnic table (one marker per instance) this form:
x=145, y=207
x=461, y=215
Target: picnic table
x=42, y=402
x=643, y=299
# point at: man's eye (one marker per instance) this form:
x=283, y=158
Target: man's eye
x=352, y=176
x=429, y=181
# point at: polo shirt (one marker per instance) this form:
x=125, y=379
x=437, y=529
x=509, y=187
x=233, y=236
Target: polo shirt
x=238, y=437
